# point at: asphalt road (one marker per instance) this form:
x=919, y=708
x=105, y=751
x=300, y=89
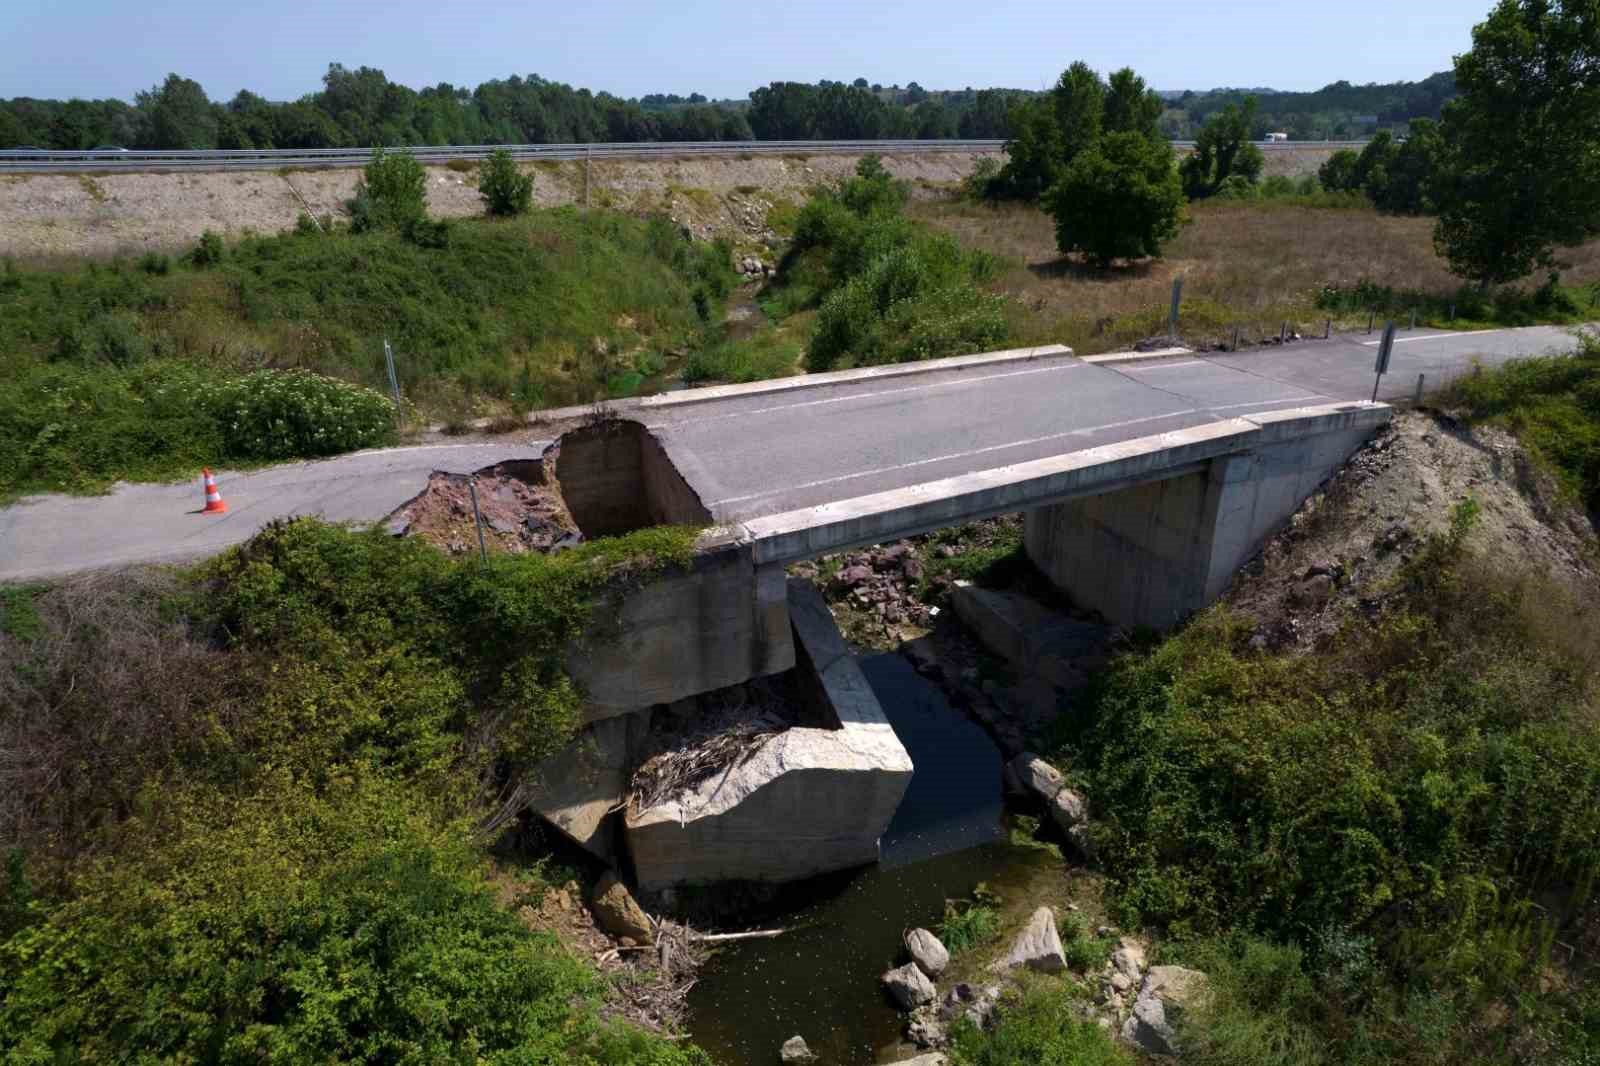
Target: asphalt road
x=767, y=453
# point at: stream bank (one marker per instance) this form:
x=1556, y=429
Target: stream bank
x=949, y=836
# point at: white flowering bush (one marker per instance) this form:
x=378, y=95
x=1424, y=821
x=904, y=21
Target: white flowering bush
x=286, y=414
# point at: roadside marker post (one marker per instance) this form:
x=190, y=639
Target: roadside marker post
x=1416, y=399
x=394, y=382
x=1413, y=319
x=1327, y=328
x=1235, y=338
x=1385, y=350
x=477, y=518
x=1172, y=315
x=1283, y=332
x=1372, y=316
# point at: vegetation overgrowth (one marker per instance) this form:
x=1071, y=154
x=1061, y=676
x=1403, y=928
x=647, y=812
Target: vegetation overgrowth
x=149, y=369
x=250, y=802
x=1372, y=848
x=886, y=289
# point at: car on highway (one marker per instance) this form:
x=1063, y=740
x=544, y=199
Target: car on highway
x=108, y=148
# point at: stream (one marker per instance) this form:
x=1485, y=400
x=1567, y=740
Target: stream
x=820, y=980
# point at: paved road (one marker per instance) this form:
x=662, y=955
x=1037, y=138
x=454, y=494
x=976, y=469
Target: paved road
x=49, y=535
x=766, y=453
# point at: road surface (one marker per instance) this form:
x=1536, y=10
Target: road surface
x=757, y=453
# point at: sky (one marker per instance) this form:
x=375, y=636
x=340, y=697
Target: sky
x=722, y=48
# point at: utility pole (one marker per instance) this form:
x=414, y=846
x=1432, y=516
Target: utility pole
x=1385, y=350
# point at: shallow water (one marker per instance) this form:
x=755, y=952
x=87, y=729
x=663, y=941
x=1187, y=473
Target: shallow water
x=820, y=980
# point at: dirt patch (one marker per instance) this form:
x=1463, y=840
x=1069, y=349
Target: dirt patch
x=521, y=505
x=1349, y=540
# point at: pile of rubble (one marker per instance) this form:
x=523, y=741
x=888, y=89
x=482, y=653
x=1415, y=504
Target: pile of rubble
x=522, y=511
x=881, y=580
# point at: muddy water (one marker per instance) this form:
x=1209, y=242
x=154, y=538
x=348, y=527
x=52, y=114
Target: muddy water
x=820, y=980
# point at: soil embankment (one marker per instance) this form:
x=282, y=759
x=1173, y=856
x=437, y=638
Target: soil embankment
x=43, y=216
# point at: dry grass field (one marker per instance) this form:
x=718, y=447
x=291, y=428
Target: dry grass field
x=1254, y=264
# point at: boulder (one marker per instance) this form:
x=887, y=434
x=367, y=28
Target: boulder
x=966, y=1001
x=1129, y=959
x=926, y=1029
x=1068, y=808
x=927, y=952
x=1037, y=947
x=908, y=987
x=795, y=1050
x=1037, y=777
x=1166, y=991
x=618, y=913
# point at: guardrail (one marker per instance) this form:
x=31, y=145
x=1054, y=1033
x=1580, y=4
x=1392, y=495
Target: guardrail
x=50, y=160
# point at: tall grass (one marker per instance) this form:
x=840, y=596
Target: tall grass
x=1252, y=264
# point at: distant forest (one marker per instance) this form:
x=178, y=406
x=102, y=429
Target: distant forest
x=363, y=108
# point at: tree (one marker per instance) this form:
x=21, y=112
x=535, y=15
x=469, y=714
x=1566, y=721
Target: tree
x=1120, y=199
x=505, y=189
x=1132, y=107
x=1034, y=152
x=1078, y=102
x=1223, y=150
x=1338, y=174
x=1519, y=173
x=178, y=115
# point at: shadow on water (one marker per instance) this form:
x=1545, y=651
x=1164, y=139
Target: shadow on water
x=820, y=980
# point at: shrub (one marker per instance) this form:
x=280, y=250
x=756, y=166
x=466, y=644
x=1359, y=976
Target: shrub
x=69, y=427
x=1421, y=757
x=505, y=190
x=292, y=414
x=392, y=193
x=209, y=250
x=978, y=185
x=155, y=263
x=348, y=926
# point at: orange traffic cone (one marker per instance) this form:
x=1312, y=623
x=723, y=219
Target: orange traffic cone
x=214, y=504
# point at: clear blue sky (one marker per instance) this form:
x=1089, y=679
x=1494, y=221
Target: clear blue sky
x=94, y=48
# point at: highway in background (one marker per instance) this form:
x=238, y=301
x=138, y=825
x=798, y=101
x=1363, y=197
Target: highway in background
x=52, y=161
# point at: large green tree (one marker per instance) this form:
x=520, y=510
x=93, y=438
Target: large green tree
x=1120, y=199
x=1520, y=173
x=179, y=115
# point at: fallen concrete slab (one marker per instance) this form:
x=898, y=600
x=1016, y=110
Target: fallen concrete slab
x=803, y=802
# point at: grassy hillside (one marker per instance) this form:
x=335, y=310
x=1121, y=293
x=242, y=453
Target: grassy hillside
x=103, y=367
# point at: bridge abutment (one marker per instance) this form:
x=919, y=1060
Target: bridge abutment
x=1153, y=553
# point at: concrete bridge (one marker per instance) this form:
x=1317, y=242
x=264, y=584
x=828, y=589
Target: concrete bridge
x=1146, y=482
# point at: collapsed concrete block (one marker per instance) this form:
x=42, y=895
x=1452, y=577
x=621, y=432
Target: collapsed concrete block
x=575, y=789
x=802, y=802
x=1033, y=638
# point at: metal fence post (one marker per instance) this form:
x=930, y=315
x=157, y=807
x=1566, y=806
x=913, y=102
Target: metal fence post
x=477, y=518
x=1416, y=398
x=1235, y=337
x=588, y=155
x=1413, y=318
x=1372, y=316
x=1283, y=332
x=394, y=382
x=1327, y=329
x=1172, y=315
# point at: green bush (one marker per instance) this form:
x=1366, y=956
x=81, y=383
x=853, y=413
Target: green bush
x=392, y=194
x=890, y=290
x=350, y=925
x=208, y=251
x=66, y=427
x=1041, y=1027
x=505, y=190
x=1408, y=782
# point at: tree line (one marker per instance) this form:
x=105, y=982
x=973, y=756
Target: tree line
x=1511, y=169
x=362, y=108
